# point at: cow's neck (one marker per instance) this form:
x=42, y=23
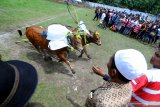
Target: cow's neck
x=89, y=39
x=71, y=41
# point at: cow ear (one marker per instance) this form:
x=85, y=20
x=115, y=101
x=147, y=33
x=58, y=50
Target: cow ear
x=90, y=31
x=96, y=33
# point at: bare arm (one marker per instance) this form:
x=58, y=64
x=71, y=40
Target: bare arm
x=99, y=71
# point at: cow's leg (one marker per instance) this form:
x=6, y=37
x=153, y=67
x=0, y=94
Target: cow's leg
x=46, y=55
x=85, y=51
x=35, y=45
x=82, y=52
x=71, y=68
x=42, y=52
x=68, y=63
x=62, y=55
x=52, y=54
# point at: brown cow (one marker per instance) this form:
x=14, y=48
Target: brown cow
x=34, y=34
x=94, y=37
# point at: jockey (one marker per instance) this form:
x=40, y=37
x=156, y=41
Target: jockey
x=83, y=31
x=82, y=27
x=82, y=35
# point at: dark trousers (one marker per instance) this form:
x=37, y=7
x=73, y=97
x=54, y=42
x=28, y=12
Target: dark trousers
x=96, y=16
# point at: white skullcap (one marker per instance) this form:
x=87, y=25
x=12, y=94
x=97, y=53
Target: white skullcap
x=130, y=63
x=81, y=22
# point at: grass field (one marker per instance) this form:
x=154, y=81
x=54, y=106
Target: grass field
x=56, y=88
x=16, y=12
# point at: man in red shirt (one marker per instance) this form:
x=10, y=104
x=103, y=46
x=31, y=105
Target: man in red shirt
x=146, y=88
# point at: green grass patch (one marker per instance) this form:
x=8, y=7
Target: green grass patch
x=4, y=54
x=50, y=96
x=16, y=12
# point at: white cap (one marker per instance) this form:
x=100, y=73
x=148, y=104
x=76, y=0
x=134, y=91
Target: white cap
x=130, y=63
x=81, y=22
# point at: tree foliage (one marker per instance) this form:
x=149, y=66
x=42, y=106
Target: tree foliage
x=150, y=6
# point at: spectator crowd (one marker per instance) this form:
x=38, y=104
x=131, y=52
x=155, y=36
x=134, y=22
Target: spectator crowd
x=131, y=25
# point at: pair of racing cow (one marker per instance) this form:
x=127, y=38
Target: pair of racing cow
x=41, y=39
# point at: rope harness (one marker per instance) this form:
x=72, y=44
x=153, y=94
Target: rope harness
x=68, y=36
x=75, y=18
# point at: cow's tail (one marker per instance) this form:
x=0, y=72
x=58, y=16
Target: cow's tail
x=20, y=32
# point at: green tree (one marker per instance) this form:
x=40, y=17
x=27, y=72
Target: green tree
x=150, y=6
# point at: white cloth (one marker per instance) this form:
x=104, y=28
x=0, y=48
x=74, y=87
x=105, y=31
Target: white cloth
x=130, y=63
x=58, y=44
x=83, y=27
x=57, y=34
x=102, y=17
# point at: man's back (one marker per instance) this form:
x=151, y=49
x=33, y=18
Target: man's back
x=146, y=89
x=110, y=94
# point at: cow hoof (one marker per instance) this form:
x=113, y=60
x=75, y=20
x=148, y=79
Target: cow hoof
x=60, y=60
x=48, y=58
x=80, y=56
x=45, y=59
x=89, y=57
x=73, y=72
x=71, y=60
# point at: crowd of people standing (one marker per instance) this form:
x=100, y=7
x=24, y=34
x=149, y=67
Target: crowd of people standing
x=131, y=25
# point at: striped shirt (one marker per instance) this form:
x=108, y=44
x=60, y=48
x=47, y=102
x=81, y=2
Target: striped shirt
x=129, y=23
x=136, y=28
x=146, y=89
x=125, y=22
